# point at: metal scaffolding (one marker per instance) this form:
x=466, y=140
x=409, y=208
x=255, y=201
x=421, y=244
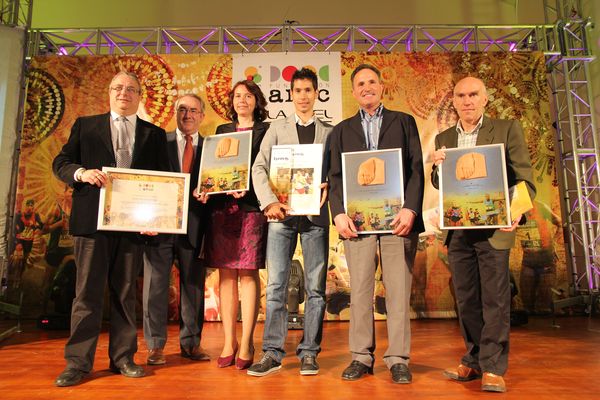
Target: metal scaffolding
x=295, y=38
x=16, y=12
x=578, y=151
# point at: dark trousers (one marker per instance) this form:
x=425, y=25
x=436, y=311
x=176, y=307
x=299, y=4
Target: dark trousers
x=100, y=258
x=158, y=260
x=480, y=276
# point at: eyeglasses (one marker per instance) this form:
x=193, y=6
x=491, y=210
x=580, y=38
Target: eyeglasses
x=128, y=89
x=191, y=111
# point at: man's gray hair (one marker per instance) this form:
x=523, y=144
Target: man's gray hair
x=192, y=95
x=129, y=74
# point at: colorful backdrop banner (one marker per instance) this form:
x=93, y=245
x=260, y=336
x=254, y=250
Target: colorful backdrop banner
x=61, y=88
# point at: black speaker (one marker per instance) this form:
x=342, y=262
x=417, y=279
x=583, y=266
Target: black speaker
x=295, y=296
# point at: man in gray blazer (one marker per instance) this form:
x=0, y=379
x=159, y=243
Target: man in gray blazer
x=478, y=258
x=300, y=128
x=184, y=147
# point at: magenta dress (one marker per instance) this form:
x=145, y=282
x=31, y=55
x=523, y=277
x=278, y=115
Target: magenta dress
x=236, y=235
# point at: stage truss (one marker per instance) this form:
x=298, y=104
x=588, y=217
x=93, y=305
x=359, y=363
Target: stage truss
x=564, y=42
x=291, y=38
x=16, y=12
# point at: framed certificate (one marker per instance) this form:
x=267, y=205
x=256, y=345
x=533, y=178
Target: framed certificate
x=137, y=200
x=295, y=177
x=225, y=163
x=373, y=188
x=473, y=188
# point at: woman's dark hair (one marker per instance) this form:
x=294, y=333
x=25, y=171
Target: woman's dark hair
x=260, y=111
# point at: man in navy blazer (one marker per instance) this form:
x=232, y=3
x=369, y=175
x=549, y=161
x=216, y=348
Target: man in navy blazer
x=160, y=253
x=375, y=127
x=121, y=139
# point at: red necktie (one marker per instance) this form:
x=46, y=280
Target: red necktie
x=188, y=155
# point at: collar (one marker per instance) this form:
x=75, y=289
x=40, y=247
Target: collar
x=181, y=134
x=299, y=120
x=131, y=118
x=460, y=129
x=378, y=111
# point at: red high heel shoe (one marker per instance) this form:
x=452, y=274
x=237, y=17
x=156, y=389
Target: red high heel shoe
x=240, y=363
x=227, y=361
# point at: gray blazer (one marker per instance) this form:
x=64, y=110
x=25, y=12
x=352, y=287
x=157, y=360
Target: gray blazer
x=518, y=165
x=284, y=131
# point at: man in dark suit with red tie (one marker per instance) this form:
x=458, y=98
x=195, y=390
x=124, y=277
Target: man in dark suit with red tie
x=184, y=147
x=115, y=139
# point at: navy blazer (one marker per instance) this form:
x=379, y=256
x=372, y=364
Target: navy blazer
x=90, y=146
x=398, y=130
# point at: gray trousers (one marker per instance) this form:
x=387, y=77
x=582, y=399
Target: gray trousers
x=158, y=259
x=397, y=259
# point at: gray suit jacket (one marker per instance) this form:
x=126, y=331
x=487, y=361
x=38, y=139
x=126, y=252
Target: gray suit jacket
x=518, y=164
x=284, y=132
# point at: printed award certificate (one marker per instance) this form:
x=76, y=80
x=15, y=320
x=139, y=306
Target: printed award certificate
x=138, y=200
x=473, y=188
x=373, y=188
x=295, y=177
x=225, y=163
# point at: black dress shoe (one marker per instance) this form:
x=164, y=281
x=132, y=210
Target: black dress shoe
x=69, y=377
x=401, y=373
x=355, y=371
x=195, y=353
x=156, y=357
x=128, y=369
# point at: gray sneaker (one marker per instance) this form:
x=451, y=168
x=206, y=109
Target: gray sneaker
x=309, y=366
x=265, y=366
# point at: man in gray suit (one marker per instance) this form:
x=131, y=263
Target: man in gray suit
x=478, y=258
x=184, y=147
x=300, y=128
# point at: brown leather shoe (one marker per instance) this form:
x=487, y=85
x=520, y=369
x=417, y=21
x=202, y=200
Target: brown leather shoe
x=194, y=353
x=492, y=383
x=156, y=357
x=462, y=373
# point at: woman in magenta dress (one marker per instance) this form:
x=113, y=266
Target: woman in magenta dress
x=236, y=237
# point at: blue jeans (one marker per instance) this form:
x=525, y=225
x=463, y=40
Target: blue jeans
x=281, y=244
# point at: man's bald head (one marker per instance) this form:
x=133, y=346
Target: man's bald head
x=469, y=100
